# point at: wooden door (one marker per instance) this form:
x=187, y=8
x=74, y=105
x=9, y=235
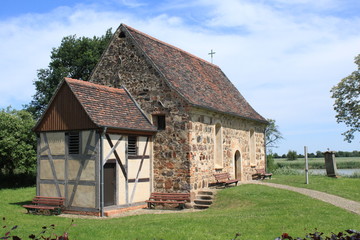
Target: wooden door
x=109, y=183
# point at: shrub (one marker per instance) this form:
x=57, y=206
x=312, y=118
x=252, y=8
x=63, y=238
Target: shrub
x=346, y=235
x=46, y=233
x=292, y=155
x=270, y=163
x=287, y=171
x=355, y=175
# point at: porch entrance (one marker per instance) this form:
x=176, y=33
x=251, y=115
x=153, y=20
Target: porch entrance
x=109, y=184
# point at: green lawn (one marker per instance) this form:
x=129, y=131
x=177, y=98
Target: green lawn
x=319, y=163
x=344, y=187
x=257, y=212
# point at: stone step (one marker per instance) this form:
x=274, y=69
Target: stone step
x=203, y=202
x=200, y=206
x=203, y=192
x=204, y=197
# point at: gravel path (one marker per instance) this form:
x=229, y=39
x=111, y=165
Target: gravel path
x=349, y=205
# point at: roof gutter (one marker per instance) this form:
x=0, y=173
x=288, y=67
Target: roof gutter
x=129, y=129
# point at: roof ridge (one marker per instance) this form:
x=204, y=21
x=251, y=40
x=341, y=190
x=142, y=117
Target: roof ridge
x=94, y=85
x=169, y=45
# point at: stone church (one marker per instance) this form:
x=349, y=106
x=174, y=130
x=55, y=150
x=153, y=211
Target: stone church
x=204, y=125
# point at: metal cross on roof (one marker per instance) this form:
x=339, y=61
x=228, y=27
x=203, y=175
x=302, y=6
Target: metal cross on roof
x=212, y=54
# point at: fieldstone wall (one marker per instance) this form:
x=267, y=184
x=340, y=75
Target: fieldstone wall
x=235, y=137
x=123, y=65
x=183, y=153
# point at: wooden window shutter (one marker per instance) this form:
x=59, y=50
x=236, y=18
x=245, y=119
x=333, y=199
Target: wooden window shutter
x=74, y=142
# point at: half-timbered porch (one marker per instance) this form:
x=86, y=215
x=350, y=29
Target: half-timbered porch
x=94, y=148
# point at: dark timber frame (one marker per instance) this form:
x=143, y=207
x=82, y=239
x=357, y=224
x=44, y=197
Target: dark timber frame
x=64, y=183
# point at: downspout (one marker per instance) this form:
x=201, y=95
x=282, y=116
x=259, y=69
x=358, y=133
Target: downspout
x=102, y=172
x=38, y=144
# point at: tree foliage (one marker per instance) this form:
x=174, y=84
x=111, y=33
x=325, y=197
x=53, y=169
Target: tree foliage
x=347, y=102
x=17, y=142
x=272, y=134
x=292, y=155
x=74, y=58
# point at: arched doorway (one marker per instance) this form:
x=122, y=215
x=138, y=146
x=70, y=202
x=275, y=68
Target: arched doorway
x=237, y=160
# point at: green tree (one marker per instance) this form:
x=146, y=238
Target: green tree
x=319, y=154
x=292, y=155
x=347, y=102
x=272, y=134
x=17, y=142
x=311, y=155
x=74, y=58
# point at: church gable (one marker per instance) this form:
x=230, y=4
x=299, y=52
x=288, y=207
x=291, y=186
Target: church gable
x=199, y=82
x=195, y=100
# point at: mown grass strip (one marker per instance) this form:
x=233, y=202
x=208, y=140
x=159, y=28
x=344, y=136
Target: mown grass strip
x=319, y=163
x=344, y=187
x=257, y=212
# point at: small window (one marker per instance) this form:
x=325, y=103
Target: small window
x=159, y=122
x=74, y=143
x=132, y=145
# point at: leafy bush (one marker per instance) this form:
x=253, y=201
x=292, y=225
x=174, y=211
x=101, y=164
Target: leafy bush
x=270, y=163
x=286, y=171
x=292, y=155
x=17, y=142
x=47, y=233
x=17, y=180
x=355, y=175
x=347, y=235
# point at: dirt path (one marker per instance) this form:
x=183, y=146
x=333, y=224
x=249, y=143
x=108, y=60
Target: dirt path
x=347, y=204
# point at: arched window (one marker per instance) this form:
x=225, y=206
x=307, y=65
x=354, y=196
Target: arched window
x=252, y=147
x=237, y=160
x=218, y=151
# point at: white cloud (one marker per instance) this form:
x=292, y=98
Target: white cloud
x=283, y=63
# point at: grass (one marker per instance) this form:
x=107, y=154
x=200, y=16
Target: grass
x=257, y=212
x=319, y=163
x=344, y=187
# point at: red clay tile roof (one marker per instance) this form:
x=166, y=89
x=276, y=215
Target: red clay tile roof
x=201, y=83
x=109, y=107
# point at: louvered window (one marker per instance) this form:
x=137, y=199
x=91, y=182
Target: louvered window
x=74, y=142
x=132, y=145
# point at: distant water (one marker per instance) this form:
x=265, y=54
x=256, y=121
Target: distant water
x=341, y=172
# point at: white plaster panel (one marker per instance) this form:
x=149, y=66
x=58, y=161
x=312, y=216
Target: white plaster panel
x=56, y=142
x=84, y=196
x=142, y=191
x=49, y=190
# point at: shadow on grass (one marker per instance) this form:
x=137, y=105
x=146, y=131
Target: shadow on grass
x=21, y=203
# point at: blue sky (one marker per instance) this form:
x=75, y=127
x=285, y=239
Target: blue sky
x=283, y=56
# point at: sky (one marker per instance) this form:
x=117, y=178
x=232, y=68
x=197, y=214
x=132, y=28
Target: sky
x=283, y=56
